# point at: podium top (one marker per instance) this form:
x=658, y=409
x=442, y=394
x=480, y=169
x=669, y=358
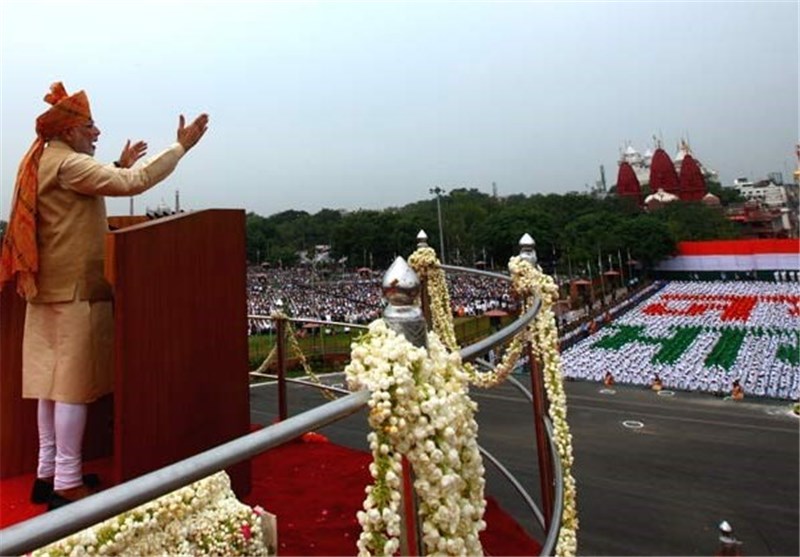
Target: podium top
x=122, y=223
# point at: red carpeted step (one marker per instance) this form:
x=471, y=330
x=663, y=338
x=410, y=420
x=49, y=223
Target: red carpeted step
x=15, y=505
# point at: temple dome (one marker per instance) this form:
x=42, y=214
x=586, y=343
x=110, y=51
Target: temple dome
x=661, y=197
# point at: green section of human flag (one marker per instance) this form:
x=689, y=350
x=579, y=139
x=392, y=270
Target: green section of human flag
x=790, y=353
x=726, y=349
x=723, y=354
x=671, y=347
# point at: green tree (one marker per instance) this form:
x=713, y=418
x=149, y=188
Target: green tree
x=648, y=238
x=726, y=195
x=695, y=221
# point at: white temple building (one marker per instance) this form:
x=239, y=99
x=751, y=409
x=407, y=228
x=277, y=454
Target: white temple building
x=641, y=162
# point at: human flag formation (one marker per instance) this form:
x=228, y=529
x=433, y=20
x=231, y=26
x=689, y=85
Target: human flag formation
x=701, y=336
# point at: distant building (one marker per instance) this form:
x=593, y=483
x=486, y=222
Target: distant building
x=796, y=173
x=682, y=176
x=757, y=220
x=659, y=199
x=765, y=191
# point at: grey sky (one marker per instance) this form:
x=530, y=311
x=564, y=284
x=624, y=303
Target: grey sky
x=368, y=105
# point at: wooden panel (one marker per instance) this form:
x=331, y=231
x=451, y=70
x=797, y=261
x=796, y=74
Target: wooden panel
x=180, y=340
x=18, y=432
x=18, y=438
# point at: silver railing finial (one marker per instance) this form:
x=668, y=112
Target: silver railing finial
x=527, y=249
x=401, y=286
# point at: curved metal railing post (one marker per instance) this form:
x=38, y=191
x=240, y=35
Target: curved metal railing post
x=36, y=532
x=400, y=287
x=280, y=335
x=424, y=301
x=544, y=457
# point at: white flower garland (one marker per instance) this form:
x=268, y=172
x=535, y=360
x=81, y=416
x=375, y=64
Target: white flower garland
x=426, y=265
x=529, y=282
x=204, y=518
x=419, y=408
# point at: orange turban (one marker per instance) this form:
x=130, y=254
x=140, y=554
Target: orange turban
x=67, y=112
x=19, y=256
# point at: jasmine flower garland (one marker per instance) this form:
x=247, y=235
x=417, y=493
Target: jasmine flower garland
x=420, y=408
x=426, y=265
x=204, y=518
x=528, y=282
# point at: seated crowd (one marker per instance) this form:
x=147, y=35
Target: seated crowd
x=354, y=298
x=732, y=331
x=762, y=318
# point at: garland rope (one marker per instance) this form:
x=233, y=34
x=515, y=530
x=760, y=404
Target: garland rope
x=294, y=349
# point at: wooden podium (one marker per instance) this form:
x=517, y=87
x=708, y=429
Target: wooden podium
x=180, y=350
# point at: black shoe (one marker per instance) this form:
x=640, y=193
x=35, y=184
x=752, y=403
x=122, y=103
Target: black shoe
x=56, y=501
x=42, y=490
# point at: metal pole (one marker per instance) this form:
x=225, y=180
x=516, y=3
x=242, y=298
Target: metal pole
x=441, y=230
x=544, y=457
x=24, y=537
x=602, y=280
x=411, y=543
x=400, y=287
x=281, y=339
x=438, y=192
x=543, y=454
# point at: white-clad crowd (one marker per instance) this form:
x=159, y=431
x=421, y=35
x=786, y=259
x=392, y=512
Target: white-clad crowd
x=701, y=336
x=354, y=298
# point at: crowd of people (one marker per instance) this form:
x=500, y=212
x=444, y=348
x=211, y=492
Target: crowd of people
x=355, y=297
x=302, y=292
x=744, y=331
x=701, y=336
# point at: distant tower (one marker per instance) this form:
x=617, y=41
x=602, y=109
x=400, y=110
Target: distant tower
x=628, y=185
x=692, y=184
x=603, y=177
x=662, y=173
x=494, y=190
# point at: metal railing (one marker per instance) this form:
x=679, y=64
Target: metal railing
x=39, y=531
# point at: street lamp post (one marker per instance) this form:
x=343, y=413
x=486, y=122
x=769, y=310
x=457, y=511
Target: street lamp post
x=437, y=191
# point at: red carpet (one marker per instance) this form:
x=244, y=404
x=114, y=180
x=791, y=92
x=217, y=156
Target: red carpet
x=314, y=488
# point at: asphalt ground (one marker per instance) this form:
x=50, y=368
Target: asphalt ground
x=655, y=473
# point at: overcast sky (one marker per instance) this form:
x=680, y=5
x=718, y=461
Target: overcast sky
x=369, y=104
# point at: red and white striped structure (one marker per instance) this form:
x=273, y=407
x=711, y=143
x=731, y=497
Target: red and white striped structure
x=782, y=254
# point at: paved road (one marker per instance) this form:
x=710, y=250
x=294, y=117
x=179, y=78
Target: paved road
x=660, y=489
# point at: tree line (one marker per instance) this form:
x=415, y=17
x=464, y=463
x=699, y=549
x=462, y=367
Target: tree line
x=571, y=230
